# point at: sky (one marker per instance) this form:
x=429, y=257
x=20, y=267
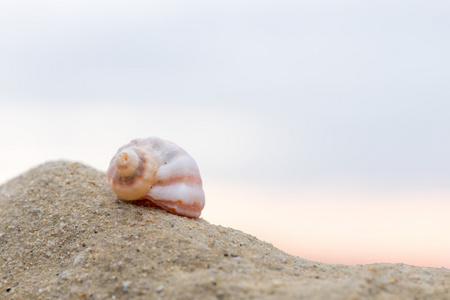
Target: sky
x=319, y=126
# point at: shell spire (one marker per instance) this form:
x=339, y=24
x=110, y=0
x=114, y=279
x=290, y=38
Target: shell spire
x=127, y=163
x=159, y=171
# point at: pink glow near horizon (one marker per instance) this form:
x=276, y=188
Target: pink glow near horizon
x=340, y=227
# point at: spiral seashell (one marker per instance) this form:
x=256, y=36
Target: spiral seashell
x=159, y=171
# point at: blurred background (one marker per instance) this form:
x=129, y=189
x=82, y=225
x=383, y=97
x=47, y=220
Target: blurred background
x=321, y=127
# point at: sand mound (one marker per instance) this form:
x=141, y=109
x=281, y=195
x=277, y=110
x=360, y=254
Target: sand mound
x=64, y=234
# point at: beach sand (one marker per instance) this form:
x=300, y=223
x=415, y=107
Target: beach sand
x=65, y=235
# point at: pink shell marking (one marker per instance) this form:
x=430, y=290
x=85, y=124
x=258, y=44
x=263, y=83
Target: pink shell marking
x=159, y=171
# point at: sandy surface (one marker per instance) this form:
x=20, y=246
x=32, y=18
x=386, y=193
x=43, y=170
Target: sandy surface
x=65, y=235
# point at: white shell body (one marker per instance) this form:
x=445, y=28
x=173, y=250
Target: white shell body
x=159, y=171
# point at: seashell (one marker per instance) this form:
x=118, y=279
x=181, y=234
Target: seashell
x=159, y=171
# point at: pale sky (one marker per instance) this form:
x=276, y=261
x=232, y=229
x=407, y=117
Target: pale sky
x=285, y=95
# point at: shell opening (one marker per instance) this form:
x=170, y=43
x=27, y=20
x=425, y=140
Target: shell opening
x=127, y=162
